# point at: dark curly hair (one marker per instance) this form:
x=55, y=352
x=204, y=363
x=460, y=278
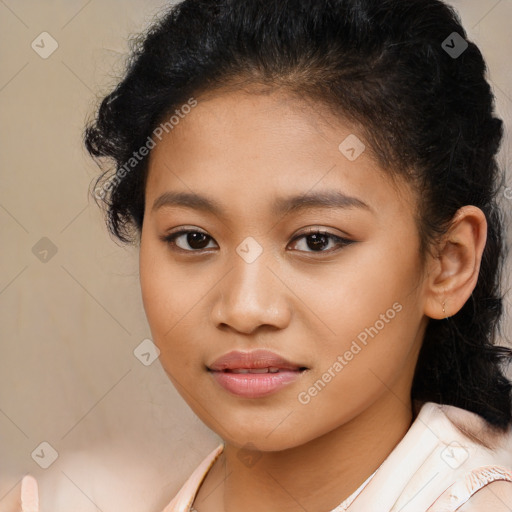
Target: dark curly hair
x=417, y=92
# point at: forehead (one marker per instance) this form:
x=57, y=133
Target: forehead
x=257, y=144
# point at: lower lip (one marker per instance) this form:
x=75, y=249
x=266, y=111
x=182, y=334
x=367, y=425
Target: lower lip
x=255, y=385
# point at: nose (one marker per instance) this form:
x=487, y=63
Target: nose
x=251, y=296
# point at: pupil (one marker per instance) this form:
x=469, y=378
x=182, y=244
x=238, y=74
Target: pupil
x=194, y=240
x=318, y=241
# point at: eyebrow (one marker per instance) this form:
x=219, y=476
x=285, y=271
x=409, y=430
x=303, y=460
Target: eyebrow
x=280, y=206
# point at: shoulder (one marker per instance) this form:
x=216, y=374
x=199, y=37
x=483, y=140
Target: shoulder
x=183, y=500
x=490, y=485
x=476, y=490
x=477, y=430
x=476, y=442
x=497, y=496
x=466, y=467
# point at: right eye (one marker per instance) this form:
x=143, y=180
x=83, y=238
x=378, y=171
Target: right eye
x=195, y=239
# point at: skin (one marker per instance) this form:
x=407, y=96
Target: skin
x=244, y=148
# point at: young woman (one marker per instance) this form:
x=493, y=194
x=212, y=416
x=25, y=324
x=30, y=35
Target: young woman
x=313, y=185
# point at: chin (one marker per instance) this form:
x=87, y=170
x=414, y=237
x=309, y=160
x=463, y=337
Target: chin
x=267, y=439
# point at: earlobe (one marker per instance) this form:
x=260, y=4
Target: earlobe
x=455, y=268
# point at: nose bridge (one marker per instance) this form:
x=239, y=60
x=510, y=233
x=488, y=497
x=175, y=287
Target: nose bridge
x=250, y=275
x=251, y=294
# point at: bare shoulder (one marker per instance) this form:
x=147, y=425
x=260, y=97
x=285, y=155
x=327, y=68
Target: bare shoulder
x=496, y=496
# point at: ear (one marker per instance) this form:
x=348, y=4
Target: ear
x=453, y=270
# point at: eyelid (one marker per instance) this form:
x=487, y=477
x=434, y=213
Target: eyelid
x=186, y=229
x=311, y=230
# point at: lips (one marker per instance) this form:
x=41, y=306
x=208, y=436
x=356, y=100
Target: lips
x=256, y=361
x=254, y=374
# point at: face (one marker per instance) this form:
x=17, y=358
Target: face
x=262, y=233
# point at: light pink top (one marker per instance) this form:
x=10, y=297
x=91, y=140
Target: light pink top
x=434, y=468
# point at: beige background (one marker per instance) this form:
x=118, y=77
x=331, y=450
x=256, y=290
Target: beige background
x=70, y=325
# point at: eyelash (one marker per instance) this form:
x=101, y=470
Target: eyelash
x=340, y=241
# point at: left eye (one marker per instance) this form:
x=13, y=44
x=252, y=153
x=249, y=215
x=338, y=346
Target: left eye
x=318, y=240
x=197, y=240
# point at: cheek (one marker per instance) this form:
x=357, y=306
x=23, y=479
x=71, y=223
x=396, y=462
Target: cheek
x=155, y=289
x=372, y=309
x=355, y=295
x=168, y=301
x=368, y=356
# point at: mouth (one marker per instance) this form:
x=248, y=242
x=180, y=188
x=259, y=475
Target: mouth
x=272, y=369
x=253, y=362
x=254, y=374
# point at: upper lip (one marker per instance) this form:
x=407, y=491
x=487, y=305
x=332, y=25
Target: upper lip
x=255, y=359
